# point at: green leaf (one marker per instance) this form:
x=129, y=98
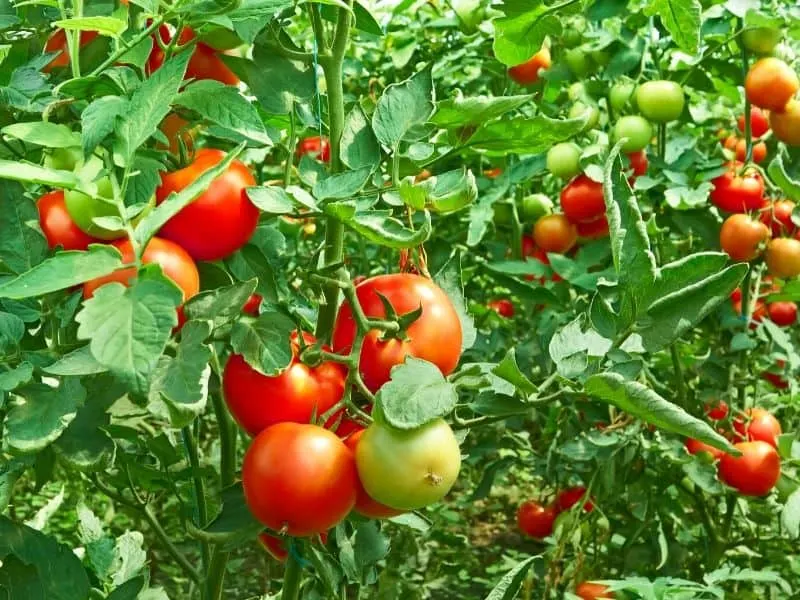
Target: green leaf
x=683, y=272
x=681, y=18
x=416, y=394
x=223, y=105
x=524, y=135
x=43, y=417
x=402, y=107
x=642, y=402
x=76, y=363
x=234, y=525
x=450, y=280
x=17, y=170
x=63, y=271
x=509, y=585
x=12, y=330
x=264, y=342
x=379, y=227
x=51, y=572
x=250, y=16
x=475, y=110
x=108, y=26
x=445, y=193
x=16, y=377
x=342, y=185
x=221, y=304
x=271, y=199
x=98, y=120
x=39, y=133
x=509, y=370
x=149, y=104
x=128, y=328
x=520, y=33
x=359, y=146
x=275, y=81
x=777, y=172
x=790, y=515
x=21, y=245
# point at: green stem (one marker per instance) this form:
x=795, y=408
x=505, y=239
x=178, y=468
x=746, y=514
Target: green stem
x=200, y=508
x=662, y=140
x=287, y=171
x=516, y=228
x=292, y=577
x=748, y=133
x=216, y=574
x=680, y=384
x=157, y=21
x=227, y=431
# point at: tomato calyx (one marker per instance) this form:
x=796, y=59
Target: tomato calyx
x=403, y=321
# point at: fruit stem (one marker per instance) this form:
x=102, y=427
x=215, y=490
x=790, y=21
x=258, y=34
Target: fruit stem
x=292, y=577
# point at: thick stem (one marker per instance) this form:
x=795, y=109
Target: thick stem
x=748, y=133
x=200, y=508
x=292, y=577
x=216, y=574
x=227, y=431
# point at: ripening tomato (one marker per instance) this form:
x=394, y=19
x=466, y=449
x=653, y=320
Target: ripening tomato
x=64, y=159
x=564, y=160
x=298, y=393
x=568, y=498
x=435, y=336
x=554, y=233
x=253, y=304
x=593, y=591
x=528, y=72
x=173, y=260
x=786, y=123
x=743, y=238
x=57, y=42
x=582, y=200
x=636, y=130
x=299, y=479
x=639, y=163
x=783, y=314
x=407, y=469
x=219, y=221
x=717, y=410
x=783, y=257
x=58, y=227
x=660, y=101
x=84, y=209
x=734, y=192
x=535, y=520
x=758, y=424
x=730, y=142
x=590, y=112
x=316, y=147
x=759, y=151
x=759, y=125
x=502, y=307
x=274, y=545
x=771, y=83
x=778, y=217
x=755, y=472
x=365, y=504
x=204, y=63
x=694, y=446
x=593, y=230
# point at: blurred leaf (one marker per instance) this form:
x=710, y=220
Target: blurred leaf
x=21, y=245
x=524, y=135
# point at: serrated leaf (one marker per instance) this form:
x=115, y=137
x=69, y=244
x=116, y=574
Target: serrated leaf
x=98, y=120
x=509, y=585
x=521, y=32
x=508, y=370
x=220, y=304
x=777, y=172
x=475, y=110
x=790, y=515
x=449, y=279
x=342, y=185
x=49, y=135
x=21, y=245
x=680, y=273
x=276, y=82
x=381, y=228
x=681, y=18
x=16, y=377
x=264, y=342
x=403, y=106
x=76, y=363
x=271, y=199
x=524, y=135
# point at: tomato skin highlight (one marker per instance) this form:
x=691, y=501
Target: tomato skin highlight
x=535, y=520
x=258, y=401
x=783, y=257
x=57, y=225
x=754, y=473
x=742, y=238
x=299, y=479
x=173, y=260
x=219, y=221
x=572, y=496
x=365, y=504
x=435, y=336
x=738, y=193
x=771, y=83
x=582, y=200
x=758, y=424
x=593, y=591
x=528, y=72
x=554, y=233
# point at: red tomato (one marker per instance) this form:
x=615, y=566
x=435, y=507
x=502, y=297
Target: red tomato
x=717, y=410
x=257, y=401
x=554, y=233
x=758, y=425
x=365, y=505
x=316, y=146
x=759, y=151
x=730, y=142
x=783, y=257
x=299, y=479
x=173, y=260
x=694, y=446
x=743, y=238
x=593, y=591
x=58, y=42
x=582, y=200
x=736, y=296
x=58, y=227
x=639, y=162
x=778, y=217
x=593, y=230
x=205, y=62
x=493, y=173
x=218, y=222
x=775, y=379
x=528, y=72
x=570, y=497
x=771, y=83
x=253, y=304
x=435, y=336
x=274, y=545
x=783, y=314
x=755, y=472
x=502, y=307
x=759, y=124
x=535, y=520
x=738, y=193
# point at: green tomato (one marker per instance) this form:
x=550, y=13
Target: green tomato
x=502, y=213
x=536, y=206
x=580, y=109
x=577, y=62
x=576, y=91
x=660, y=101
x=407, y=469
x=83, y=209
x=600, y=57
x=636, y=129
x=572, y=37
x=64, y=159
x=761, y=40
x=563, y=160
x=620, y=96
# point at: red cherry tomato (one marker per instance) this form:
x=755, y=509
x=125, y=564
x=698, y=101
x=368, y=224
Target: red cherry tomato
x=743, y=238
x=221, y=219
x=755, y=472
x=730, y=142
x=570, y=497
x=771, y=84
x=316, y=147
x=582, y=200
x=593, y=591
x=57, y=42
x=759, y=124
x=778, y=217
x=639, y=162
x=717, y=410
x=493, y=173
x=535, y=520
x=503, y=307
x=365, y=505
x=694, y=446
x=738, y=193
x=252, y=305
x=736, y=296
x=435, y=336
x=554, y=233
x=205, y=62
x=528, y=72
x=758, y=424
x=299, y=479
x=759, y=151
x=173, y=260
x=257, y=401
x=783, y=314
x=783, y=257
x=58, y=227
